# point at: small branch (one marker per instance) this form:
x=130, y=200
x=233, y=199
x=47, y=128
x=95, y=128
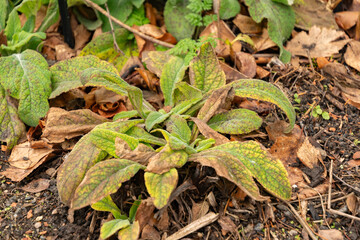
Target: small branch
x=301, y=221
x=116, y=46
x=194, y=226
x=343, y=214
x=127, y=27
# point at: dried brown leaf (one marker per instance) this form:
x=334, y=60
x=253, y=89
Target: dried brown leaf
x=37, y=185
x=145, y=213
x=61, y=124
x=245, y=62
x=199, y=210
x=352, y=55
x=208, y=132
x=331, y=234
x=247, y=25
x=346, y=19
x=320, y=42
x=140, y=154
x=352, y=202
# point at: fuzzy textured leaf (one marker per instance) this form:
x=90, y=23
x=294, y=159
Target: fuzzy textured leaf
x=155, y=118
x=239, y=162
x=205, y=71
x=26, y=77
x=29, y=7
x=119, y=9
x=103, y=47
x=166, y=159
x=132, y=232
x=3, y=13
x=145, y=137
x=11, y=127
x=83, y=156
x=103, y=179
x=174, y=17
x=261, y=90
x=160, y=186
x=236, y=121
x=52, y=15
x=229, y=8
x=281, y=21
x=66, y=74
x=179, y=128
x=103, y=136
x=155, y=61
x=107, y=204
x=173, y=72
x=111, y=227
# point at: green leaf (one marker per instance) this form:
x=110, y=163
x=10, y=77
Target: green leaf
x=325, y=115
x=160, y=186
x=186, y=92
x=132, y=232
x=22, y=40
x=205, y=144
x=236, y=121
x=90, y=24
x=286, y=2
x=281, y=21
x=229, y=8
x=155, y=118
x=29, y=25
x=119, y=9
x=3, y=13
x=166, y=159
x=137, y=3
x=51, y=17
x=137, y=17
x=11, y=127
x=103, y=179
x=103, y=47
x=26, y=77
x=205, y=71
x=178, y=127
x=173, y=72
x=13, y=24
x=133, y=209
x=126, y=114
x=29, y=7
x=174, y=17
x=111, y=227
x=239, y=162
x=103, y=136
x=66, y=74
x=176, y=143
x=107, y=204
x=83, y=156
x=261, y=90
x=145, y=137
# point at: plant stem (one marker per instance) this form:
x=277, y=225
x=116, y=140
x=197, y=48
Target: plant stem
x=65, y=19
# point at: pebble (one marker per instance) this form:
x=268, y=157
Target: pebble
x=39, y=218
x=55, y=211
x=28, y=197
x=37, y=225
x=259, y=227
x=293, y=232
x=37, y=211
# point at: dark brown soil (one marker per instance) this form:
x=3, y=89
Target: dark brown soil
x=252, y=219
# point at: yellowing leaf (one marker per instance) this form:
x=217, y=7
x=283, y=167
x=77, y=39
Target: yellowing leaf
x=166, y=159
x=179, y=128
x=103, y=179
x=132, y=232
x=205, y=71
x=236, y=121
x=160, y=186
x=155, y=61
x=107, y=204
x=26, y=77
x=66, y=74
x=239, y=162
x=83, y=156
x=103, y=47
x=173, y=72
x=11, y=127
x=261, y=90
x=111, y=227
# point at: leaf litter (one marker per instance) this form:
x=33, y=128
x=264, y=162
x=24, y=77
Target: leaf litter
x=307, y=162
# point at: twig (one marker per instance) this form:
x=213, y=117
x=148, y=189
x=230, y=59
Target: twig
x=194, y=226
x=330, y=184
x=343, y=214
x=346, y=184
x=116, y=46
x=301, y=221
x=127, y=27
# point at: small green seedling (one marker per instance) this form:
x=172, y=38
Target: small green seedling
x=296, y=98
x=317, y=111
